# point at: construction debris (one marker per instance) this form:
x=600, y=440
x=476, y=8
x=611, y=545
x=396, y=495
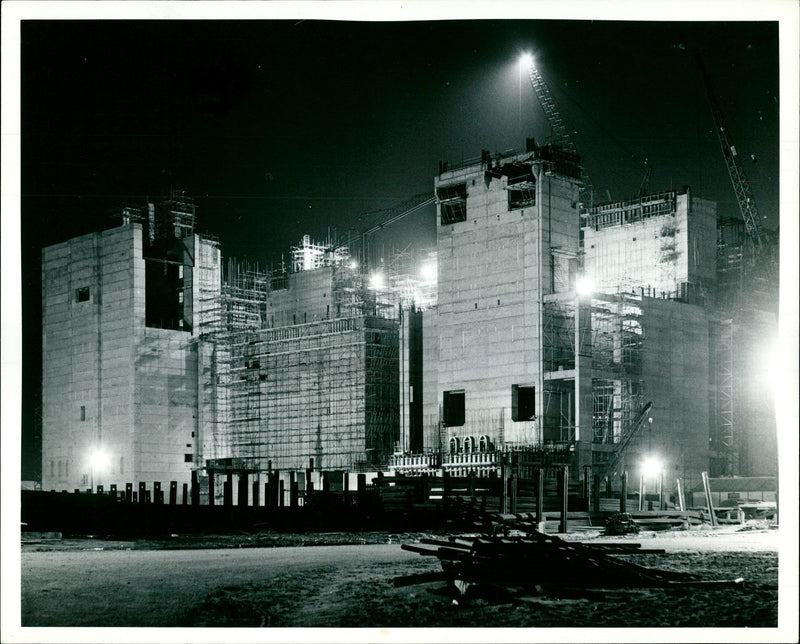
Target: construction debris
x=621, y=523
x=537, y=563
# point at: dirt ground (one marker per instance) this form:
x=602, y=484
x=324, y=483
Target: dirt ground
x=103, y=583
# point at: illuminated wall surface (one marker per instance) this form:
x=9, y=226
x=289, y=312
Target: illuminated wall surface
x=150, y=360
x=496, y=262
x=111, y=384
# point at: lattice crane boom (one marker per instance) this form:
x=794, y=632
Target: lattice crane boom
x=741, y=186
x=560, y=135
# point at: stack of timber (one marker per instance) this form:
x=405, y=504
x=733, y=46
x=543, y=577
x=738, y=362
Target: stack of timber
x=496, y=564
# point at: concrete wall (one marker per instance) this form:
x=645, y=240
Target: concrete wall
x=309, y=298
x=431, y=399
x=493, y=269
x=657, y=254
x=165, y=405
x=675, y=361
x=88, y=371
x=137, y=386
x=754, y=335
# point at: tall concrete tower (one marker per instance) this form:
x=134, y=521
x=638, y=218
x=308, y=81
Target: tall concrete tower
x=508, y=235
x=121, y=314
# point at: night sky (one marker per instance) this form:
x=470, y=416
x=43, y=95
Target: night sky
x=285, y=128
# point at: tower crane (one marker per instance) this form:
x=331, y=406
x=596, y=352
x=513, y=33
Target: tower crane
x=560, y=135
x=741, y=186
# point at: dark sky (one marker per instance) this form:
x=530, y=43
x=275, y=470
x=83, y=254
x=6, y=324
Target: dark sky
x=282, y=128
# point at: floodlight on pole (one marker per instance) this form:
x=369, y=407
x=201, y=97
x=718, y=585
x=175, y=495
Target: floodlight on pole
x=526, y=60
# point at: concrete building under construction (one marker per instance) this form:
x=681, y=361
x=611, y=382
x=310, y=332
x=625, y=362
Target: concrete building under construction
x=536, y=328
x=518, y=357
x=121, y=309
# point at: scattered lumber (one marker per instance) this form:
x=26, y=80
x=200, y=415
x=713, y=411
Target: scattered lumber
x=536, y=563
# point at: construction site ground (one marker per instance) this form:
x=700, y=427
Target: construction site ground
x=345, y=580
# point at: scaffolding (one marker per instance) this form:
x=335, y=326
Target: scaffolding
x=324, y=391
x=283, y=397
x=724, y=443
x=616, y=344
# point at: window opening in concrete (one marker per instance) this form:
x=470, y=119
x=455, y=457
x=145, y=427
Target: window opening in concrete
x=82, y=294
x=454, y=447
x=52, y=468
x=523, y=402
x=66, y=469
x=521, y=197
x=483, y=443
x=187, y=458
x=60, y=469
x=453, y=408
x=453, y=203
x=83, y=413
x=122, y=465
x=469, y=444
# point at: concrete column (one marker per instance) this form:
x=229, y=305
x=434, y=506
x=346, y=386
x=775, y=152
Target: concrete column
x=211, y=475
x=623, y=493
x=539, y=495
x=583, y=380
x=244, y=484
x=564, y=478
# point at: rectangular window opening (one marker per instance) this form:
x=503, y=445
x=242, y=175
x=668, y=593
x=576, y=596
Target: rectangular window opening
x=453, y=408
x=521, y=198
x=453, y=203
x=82, y=294
x=523, y=402
x=187, y=458
x=83, y=413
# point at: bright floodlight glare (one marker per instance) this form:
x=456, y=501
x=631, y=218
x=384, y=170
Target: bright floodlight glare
x=98, y=459
x=526, y=60
x=354, y=264
x=377, y=282
x=428, y=271
x=584, y=286
x=651, y=466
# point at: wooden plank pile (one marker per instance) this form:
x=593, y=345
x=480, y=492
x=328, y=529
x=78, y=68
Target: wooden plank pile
x=536, y=563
